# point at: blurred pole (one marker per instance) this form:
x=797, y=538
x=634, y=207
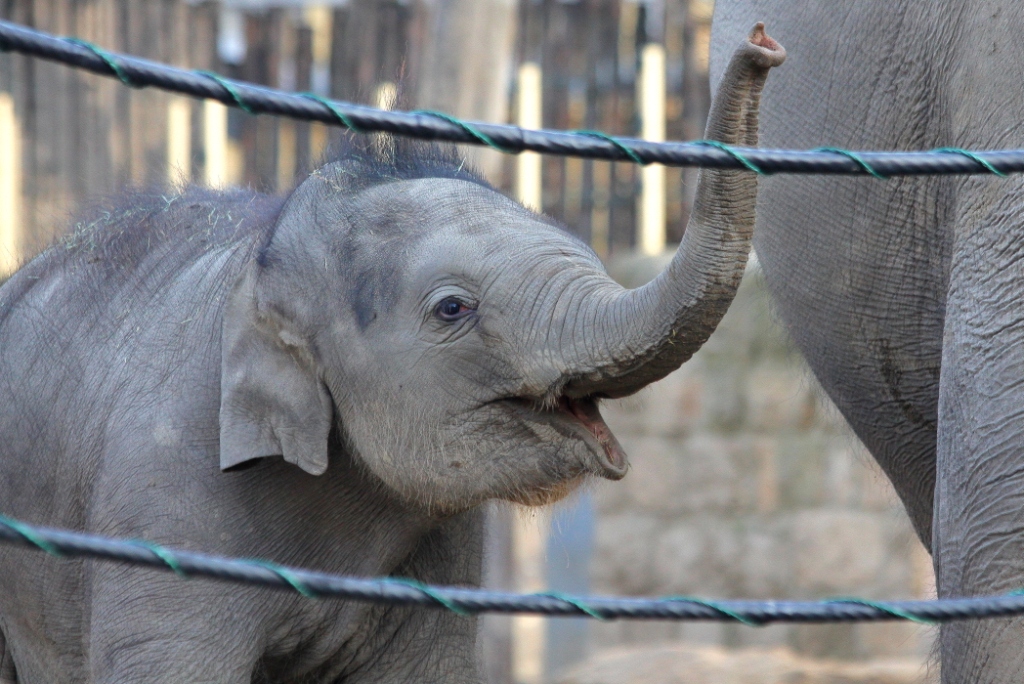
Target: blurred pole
x=528, y=115
x=495, y=635
x=570, y=546
x=529, y=543
x=10, y=187
x=651, y=237
x=179, y=140
x=215, y=144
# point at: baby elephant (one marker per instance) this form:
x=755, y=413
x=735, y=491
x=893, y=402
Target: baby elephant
x=335, y=380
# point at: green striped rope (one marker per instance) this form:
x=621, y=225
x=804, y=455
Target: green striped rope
x=163, y=554
x=426, y=590
x=68, y=50
x=713, y=605
x=468, y=127
x=630, y=154
x=108, y=59
x=285, y=574
x=973, y=157
x=230, y=88
x=342, y=118
x=855, y=157
x=29, y=535
x=572, y=601
x=895, y=612
x=734, y=154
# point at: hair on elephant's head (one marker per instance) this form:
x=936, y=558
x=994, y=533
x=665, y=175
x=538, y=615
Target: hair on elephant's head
x=459, y=342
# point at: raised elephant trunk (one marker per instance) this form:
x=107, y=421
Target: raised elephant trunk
x=650, y=331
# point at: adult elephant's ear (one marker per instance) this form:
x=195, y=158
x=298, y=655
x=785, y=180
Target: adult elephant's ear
x=272, y=403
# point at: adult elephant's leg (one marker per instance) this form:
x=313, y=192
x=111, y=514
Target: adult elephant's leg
x=979, y=494
x=7, y=672
x=979, y=522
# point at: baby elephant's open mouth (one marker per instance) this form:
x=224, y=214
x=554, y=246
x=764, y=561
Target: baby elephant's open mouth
x=586, y=412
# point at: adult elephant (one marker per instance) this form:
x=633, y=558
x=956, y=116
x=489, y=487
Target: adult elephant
x=905, y=294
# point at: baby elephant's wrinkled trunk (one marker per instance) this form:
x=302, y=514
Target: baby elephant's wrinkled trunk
x=644, y=334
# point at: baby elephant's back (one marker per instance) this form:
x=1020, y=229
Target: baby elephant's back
x=109, y=382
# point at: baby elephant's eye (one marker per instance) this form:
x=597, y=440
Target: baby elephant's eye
x=451, y=309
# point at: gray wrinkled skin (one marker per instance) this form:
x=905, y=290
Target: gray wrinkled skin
x=884, y=283
x=336, y=381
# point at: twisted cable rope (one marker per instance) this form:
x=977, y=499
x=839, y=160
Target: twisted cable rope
x=463, y=601
x=254, y=99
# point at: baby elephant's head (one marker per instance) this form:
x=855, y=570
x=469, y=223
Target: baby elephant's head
x=447, y=332
x=458, y=342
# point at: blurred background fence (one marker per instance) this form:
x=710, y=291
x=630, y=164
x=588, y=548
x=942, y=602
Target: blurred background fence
x=575, y=65
x=744, y=482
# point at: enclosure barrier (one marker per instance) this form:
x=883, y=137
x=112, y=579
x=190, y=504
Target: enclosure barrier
x=138, y=73
x=467, y=601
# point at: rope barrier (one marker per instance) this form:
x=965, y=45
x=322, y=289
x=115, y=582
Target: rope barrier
x=138, y=73
x=464, y=601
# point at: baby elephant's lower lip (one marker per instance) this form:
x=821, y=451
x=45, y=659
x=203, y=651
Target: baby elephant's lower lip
x=614, y=463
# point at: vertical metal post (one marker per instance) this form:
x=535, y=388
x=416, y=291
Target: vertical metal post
x=529, y=535
x=651, y=234
x=528, y=115
x=529, y=545
x=179, y=140
x=215, y=143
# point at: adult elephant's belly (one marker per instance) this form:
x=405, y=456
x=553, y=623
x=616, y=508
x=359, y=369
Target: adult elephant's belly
x=859, y=266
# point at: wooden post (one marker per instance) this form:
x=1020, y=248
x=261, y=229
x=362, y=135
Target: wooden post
x=10, y=187
x=599, y=217
x=651, y=234
x=460, y=63
x=146, y=31
x=605, y=19
x=286, y=161
x=622, y=197
x=258, y=134
x=303, y=83
x=528, y=115
x=287, y=41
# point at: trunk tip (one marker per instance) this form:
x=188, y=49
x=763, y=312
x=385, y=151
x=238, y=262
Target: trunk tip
x=766, y=50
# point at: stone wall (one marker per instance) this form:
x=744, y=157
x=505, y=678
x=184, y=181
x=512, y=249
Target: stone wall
x=745, y=482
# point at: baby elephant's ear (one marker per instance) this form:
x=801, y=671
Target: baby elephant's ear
x=271, y=401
